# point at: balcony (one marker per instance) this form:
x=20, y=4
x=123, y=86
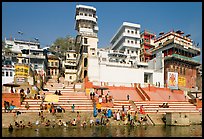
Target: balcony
x=79, y=17
x=70, y=64
x=70, y=70
x=32, y=56
x=88, y=34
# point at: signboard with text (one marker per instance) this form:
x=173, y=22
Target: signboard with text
x=21, y=70
x=181, y=81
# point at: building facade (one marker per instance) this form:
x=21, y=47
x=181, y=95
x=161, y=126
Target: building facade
x=86, y=40
x=8, y=73
x=53, y=67
x=179, y=52
x=120, y=63
x=147, y=43
x=70, y=66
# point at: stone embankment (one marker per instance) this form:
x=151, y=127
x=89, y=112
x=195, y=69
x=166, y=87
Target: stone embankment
x=9, y=118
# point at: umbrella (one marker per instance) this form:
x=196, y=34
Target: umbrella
x=11, y=85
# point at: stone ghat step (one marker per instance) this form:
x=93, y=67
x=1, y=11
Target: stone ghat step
x=73, y=96
x=121, y=101
x=181, y=107
x=61, y=102
x=161, y=102
x=168, y=104
x=37, y=108
x=187, y=111
x=63, y=105
x=82, y=99
x=155, y=112
x=121, y=104
x=37, y=111
x=170, y=108
x=66, y=89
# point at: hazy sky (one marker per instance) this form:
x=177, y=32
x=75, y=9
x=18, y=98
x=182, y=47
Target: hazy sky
x=50, y=20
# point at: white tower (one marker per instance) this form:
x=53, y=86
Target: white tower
x=86, y=41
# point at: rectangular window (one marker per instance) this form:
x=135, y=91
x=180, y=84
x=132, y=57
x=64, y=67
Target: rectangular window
x=74, y=55
x=7, y=74
x=2, y=73
x=85, y=40
x=52, y=64
x=56, y=64
x=11, y=74
x=70, y=77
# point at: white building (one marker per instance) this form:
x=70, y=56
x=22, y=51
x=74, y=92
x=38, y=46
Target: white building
x=86, y=40
x=120, y=64
x=70, y=66
x=8, y=72
x=25, y=52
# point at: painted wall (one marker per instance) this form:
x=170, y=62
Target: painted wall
x=121, y=75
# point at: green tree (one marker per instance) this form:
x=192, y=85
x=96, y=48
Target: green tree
x=61, y=45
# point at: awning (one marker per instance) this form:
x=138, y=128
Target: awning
x=11, y=85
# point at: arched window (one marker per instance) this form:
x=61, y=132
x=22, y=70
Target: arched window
x=85, y=62
x=85, y=73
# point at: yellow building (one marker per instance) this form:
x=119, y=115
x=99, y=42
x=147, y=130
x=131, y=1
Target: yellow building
x=53, y=66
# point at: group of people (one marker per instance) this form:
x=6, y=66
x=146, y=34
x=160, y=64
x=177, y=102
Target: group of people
x=128, y=117
x=8, y=106
x=164, y=105
x=58, y=92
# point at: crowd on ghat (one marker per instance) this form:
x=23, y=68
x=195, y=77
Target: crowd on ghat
x=100, y=117
x=103, y=118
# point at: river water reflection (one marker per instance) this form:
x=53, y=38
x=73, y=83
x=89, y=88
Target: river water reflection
x=115, y=131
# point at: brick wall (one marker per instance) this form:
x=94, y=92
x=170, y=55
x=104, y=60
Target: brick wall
x=190, y=72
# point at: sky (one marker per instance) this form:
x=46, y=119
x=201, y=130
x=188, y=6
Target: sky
x=48, y=21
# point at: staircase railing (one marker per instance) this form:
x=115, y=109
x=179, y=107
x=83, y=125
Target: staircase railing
x=143, y=92
x=140, y=93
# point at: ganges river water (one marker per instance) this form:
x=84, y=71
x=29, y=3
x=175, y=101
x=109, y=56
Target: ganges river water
x=114, y=131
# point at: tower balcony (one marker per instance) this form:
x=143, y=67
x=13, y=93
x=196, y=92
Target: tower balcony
x=81, y=17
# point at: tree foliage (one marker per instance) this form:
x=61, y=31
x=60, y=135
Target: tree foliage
x=61, y=45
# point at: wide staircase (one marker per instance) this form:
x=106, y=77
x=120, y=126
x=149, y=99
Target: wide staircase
x=174, y=106
x=66, y=100
x=118, y=104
